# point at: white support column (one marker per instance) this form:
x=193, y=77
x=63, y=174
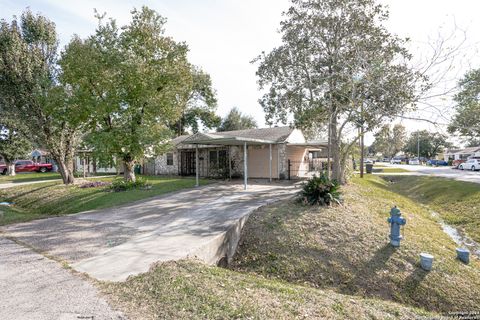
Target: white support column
x=245, y=166
x=229, y=163
x=196, y=166
x=270, y=162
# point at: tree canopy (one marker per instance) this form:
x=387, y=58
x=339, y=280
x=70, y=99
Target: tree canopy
x=14, y=143
x=31, y=90
x=466, y=120
x=235, y=120
x=138, y=83
x=337, y=65
x=390, y=140
x=198, y=105
x=430, y=143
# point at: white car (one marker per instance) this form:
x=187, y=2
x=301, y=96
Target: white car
x=395, y=161
x=414, y=162
x=470, y=164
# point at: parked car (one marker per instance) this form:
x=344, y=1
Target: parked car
x=396, y=161
x=456, y=163
x=414, y=161
x=368, y=161
x=470, y=164
x=435, y=162
x=27, y=166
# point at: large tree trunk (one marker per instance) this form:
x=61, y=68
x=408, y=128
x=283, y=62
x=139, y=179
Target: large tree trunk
x=11, y=168
x=128, y=170
x=65, y=167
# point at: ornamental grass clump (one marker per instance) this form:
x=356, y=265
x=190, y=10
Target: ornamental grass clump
x=320, y=191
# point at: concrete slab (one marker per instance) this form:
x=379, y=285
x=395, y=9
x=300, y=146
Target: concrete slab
x=34, y=287
x=114, y=243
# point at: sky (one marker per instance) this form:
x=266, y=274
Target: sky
x=224, y=36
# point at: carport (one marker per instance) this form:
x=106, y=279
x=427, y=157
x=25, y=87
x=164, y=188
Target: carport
x=218, y=139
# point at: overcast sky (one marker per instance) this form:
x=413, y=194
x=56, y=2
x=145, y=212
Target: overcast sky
x=224, y=36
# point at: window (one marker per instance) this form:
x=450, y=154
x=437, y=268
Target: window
x=170, y=159
x=213, y=158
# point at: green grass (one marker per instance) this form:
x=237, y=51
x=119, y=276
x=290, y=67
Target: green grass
x=346, y=249
x=38, y=176
x=192, y=290
x=53, y=198
x=393, y=170
x=28, y=177
x=457, y=202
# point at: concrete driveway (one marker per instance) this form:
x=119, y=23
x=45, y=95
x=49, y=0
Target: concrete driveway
x=36, y=288
x=114, y=243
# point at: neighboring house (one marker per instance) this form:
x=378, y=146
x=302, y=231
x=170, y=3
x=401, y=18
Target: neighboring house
x=81, y=157
x=461, y=154
x=221, y=154
x=84, y=158
x=41, y=156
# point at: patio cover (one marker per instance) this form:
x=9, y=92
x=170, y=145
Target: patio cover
x=227, y=140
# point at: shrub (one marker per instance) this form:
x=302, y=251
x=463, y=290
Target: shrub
x=122, y=185
x=94, y=184
x=320, y=190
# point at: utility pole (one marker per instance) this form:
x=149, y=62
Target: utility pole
x=418, y=146
x=362, y=147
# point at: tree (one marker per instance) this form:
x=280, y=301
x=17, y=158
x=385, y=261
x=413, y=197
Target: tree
x=134, y=80
x=428, y=143
x=13, y=143
x=467, y=109
x=235, y=120
x=339, y=66
x=31, y=90
x=198, y=105
x=390, y=141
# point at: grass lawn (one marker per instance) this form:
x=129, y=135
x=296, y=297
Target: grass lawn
x=38, y=176
x=53, y=198
x=393, y=170
x=346, y=249
x=27, y=177
x=457, y=202
x=192, y=290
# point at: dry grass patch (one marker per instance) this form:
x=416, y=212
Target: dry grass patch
x=345, y=248
x=192, y=290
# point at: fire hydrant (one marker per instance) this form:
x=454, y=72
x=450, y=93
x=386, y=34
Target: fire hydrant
x=396, y=221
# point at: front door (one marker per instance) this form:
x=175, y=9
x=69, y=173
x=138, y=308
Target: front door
x=187, y=163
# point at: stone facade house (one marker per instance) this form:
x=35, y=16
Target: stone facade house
x=276, y=153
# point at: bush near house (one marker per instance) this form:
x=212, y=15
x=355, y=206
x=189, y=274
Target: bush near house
x=320, y=190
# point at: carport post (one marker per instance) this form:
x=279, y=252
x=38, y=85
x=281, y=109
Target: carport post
x=245, y=166
x=229, y=163
x=196, y=166
x=270, y=162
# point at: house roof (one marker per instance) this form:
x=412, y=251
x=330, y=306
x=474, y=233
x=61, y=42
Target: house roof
x=255, y=136
x=276, y=134
x=179, y=139
x=464, y=151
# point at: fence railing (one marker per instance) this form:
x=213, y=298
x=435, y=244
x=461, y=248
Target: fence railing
x=306, y=168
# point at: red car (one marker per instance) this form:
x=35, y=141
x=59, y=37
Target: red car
x=27, y=166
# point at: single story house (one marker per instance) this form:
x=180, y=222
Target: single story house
x=461, y=154
x=82, y=158
x=271, y=153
